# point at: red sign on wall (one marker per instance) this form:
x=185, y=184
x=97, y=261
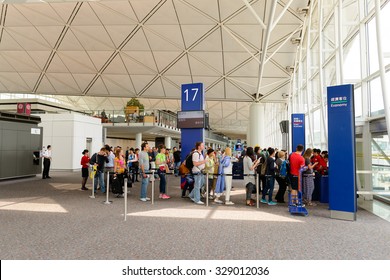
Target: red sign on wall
x=24, y=108
x=20, y=108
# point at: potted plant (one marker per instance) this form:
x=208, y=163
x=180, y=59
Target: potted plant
x=132, y=108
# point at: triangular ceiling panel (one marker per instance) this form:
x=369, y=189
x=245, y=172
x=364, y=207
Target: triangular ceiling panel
x=163, y=59
x=28, y=37
x=247, y=84
x=86, y=16
x=116, y=66
x=50, y=33
x=137, y=43
x=179, y=80
x=229, y=7
x=45, y=87
x=202, y=68
x=235, y=93
x=217, y=91
x=273, y=71
x=70, y=42
x=83, y=80
x=135, y=67
x=13, y=82
x=99, y=58
x=141, y=81
x=118, y=85
x=181, y=67
x=118, y=33
x=211, y=43
x=192, y=33
x=249, y=69
x=30, y=79
x=98, y=88
x=143, y=57
x=57, y=66
x=247, y=17
x=232, y=43
x=250, y=33
x=21, y=61
x=63, y=82
x=114, y=12
x=143, y=8
x=171, y=89
x=206, y=80
x=232, y=59
x=40, y=15
x=288, y=18
x=15, y=17
x=64, y=10
x=209, y=7
x=213, y=59
x=156, y=89
x=284, y=59
x=93, y=38
x=159, y=42
x=189, y=15
x=5, y=66
x=282, y=31
x=77, y=61
x=8, y=43
x=170, y=32
x=165, y=15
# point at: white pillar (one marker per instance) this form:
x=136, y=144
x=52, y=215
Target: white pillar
x=256, y=135
x=138, y=140
x=168, y=142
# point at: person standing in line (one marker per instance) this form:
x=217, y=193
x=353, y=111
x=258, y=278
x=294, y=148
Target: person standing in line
x=270, y=178
x=224, y=181
x=249, y=170
x=46, y=162
x=143, y=160
x=136, y=165
x=176, y=159
x=119, y=170
x=308, y=178
x=199, y=164
x=210, y=165
x=101, y=160
x=296, y=162
x=84, y=169
x=161, y=163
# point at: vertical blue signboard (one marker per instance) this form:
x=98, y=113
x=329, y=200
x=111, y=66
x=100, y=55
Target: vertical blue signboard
x=192, y=99
x=297, y=131
x=341, y=146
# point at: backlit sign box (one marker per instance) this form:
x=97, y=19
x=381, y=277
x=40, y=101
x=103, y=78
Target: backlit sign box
x=190, y=119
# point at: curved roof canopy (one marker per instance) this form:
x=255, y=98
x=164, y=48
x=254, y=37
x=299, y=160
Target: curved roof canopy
x=114, y=50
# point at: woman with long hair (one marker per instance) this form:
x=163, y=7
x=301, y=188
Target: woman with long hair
x=84, y=169
x=161, y=163
x=224, y=181
x=308, y=178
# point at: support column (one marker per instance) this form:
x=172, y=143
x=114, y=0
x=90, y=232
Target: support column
x=168, y=142
x=138, y=140
x=256, y=134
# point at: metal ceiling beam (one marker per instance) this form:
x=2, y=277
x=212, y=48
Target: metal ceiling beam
x=281, y=14
x=265, y=46
x=259, y=20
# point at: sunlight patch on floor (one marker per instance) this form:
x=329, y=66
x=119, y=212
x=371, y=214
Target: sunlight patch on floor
x=215, y=215
x=36, y=206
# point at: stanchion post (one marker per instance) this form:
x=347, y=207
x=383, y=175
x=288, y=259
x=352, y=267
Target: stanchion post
x=125, y=194
x=207, y=189
x=107, y=188
x=93, y=186
x=153, y=179
x=257, y=190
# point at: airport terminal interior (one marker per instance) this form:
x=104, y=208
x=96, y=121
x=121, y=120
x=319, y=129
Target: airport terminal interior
x=77, y=75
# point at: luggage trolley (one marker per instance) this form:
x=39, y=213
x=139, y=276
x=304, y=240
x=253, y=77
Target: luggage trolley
x=295, y=204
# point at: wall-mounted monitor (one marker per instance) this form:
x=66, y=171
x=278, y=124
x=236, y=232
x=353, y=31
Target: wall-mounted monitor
x=190, y=119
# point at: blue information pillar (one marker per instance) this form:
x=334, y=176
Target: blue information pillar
x=192, y=99
x=297, y=131
x=341, y=146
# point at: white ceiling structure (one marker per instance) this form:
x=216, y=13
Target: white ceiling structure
x=98, y=54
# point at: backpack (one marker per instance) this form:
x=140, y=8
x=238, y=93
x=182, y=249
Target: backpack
x=189, y=162
x=263, y=161
x=93, y=159
x=283, y=169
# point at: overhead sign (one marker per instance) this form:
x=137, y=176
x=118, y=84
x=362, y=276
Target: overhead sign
x=298, y=130
x=190, y=119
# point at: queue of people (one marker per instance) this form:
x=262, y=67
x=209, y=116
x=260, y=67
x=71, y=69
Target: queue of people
x=270, y=165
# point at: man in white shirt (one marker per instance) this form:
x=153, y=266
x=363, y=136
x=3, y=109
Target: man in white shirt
x=46, y=162
x=199, y=164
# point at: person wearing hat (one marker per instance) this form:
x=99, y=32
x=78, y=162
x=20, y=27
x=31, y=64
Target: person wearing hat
x=84, y=169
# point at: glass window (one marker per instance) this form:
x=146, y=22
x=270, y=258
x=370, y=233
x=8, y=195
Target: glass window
x=314, y=62
x=376, y=98
x=358, y=102
x=372, y=47
x=328, y=37
x=385, y=21
x=330, y=73
x=315, y=91
x=350, y=16
x=327, y=7
x=317, y=128
x=352, y=62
